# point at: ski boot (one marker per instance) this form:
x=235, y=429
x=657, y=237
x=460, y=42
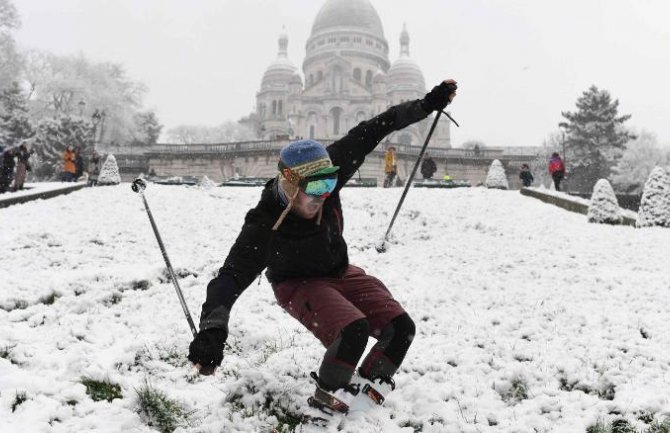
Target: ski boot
x=332, y=402
x=373, y=393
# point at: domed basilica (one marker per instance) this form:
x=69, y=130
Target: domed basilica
x=348, y=77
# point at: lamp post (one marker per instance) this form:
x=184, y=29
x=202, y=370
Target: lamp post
x=82, y=105
x=98, y=118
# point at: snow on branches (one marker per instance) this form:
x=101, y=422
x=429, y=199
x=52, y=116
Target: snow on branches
x=655, y=203
x=604, y=208
x=496, y=176
x=109, y=174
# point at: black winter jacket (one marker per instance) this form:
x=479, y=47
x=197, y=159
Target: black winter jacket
x=300, y=247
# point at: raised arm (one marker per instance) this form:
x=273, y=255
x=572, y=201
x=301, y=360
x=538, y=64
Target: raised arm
x=349, y=152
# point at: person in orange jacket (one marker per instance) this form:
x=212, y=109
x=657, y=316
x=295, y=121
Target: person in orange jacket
x=69, y=168
x=390, y=167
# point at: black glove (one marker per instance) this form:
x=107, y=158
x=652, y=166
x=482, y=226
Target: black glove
x=206, y=348
x=438, y=98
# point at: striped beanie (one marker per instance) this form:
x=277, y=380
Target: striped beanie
x=305, y=158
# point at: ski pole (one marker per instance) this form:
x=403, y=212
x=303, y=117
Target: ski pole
x=139, y=186
x=381, y=248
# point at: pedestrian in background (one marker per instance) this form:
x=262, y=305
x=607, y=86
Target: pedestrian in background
x=525, y=175
x=69, y=168
x=390, y=167
x=556, y=170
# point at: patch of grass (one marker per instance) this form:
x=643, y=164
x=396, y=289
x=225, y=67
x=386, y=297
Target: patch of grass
x=417, y=426
x=114, y=299
x=517, y=391
x=6, y=352
x=659, y=426
x=19, y=399
x=20, y=305
x=617, y=426
x=141, y=285
x=159, y=411
x=49, y=299
x=104, y=390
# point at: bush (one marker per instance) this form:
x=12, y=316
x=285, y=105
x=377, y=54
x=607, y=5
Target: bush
x=496, y=176
x=604, y=208
x=655, y=203
x=109, y=173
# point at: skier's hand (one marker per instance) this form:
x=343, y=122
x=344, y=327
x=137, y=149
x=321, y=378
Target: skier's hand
x=440, y=96
x=206, y=350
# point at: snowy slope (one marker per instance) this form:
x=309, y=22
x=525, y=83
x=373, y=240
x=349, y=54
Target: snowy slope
x=529, y=319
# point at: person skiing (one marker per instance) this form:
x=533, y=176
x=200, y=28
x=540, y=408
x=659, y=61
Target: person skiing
x=556, y=170
x=295, y=231
x=525, y=175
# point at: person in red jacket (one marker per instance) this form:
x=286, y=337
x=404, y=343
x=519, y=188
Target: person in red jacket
x=296, y=233
x=556, y=170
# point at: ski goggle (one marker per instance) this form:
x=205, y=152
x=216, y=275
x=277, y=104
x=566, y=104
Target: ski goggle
x=319, y=185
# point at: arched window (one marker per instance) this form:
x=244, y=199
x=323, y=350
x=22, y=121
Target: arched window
x=311, y=132
x=368, y=78
x=357, y=74
x=312, y=121
x=336, y=114
x=279, y=108
x=274, y=108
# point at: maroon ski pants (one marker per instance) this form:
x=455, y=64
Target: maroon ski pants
x=326, y=305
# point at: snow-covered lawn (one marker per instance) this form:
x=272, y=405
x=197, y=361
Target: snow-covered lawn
x=529, y=319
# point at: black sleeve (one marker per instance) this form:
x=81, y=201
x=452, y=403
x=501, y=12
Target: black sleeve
x=349, y=152
x=245, y=261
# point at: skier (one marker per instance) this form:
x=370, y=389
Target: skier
x=295, y=231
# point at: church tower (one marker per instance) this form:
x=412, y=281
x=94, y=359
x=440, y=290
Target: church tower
x=348, y=78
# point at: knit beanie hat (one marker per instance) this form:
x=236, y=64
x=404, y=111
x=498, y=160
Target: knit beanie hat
x=305, y=158
x=298, y=160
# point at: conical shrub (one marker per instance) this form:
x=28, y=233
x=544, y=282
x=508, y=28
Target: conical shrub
x=655, y=204
x=109, y=173
x=604, y=208
x=496, y=176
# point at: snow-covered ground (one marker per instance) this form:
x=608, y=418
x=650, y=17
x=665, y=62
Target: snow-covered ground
x=37, y=188
x=529, y=319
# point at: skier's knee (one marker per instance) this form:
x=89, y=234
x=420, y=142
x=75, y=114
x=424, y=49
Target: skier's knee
x=404, y=328
x=355, y=337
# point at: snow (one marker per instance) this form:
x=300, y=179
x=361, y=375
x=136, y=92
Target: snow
x=37, y=188
x=528, y=318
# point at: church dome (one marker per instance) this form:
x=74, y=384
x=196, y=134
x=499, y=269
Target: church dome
x=404, y=73
x=282, y=70
x=352, y=14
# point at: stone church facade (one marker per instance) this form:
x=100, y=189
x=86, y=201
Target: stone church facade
x=348, y=77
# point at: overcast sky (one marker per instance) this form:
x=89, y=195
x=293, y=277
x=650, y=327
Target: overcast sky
x=519, y=63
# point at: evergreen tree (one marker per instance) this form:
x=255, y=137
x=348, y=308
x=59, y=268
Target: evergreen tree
x=604, y=208
x=15, y=125
x=655, y=204
x=109, y=173
x=496, y=176
x=53, y=136
x=10, y=60
x=638, y=160
x=147, y=129
x=595, y=138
